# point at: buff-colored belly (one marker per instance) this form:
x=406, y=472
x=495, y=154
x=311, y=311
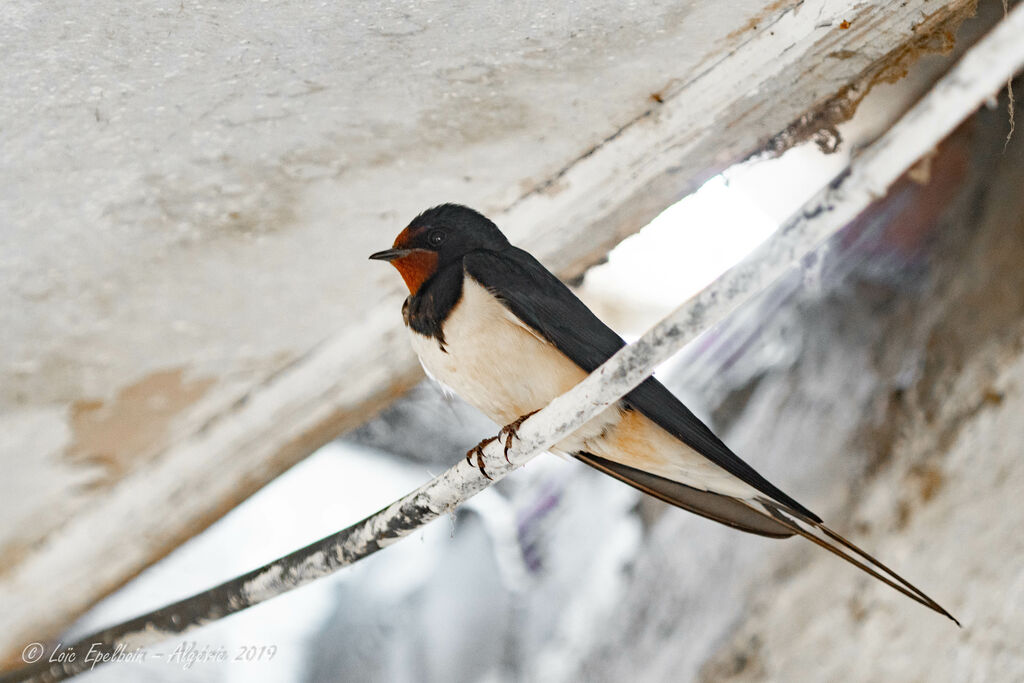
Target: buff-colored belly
x=496, y=363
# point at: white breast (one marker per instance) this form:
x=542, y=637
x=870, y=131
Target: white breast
x=496, y=363
x=493, y=361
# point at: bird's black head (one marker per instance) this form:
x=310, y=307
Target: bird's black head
x=438, y=237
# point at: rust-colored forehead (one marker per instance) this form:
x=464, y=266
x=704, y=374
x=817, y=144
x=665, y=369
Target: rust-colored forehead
x=406, y=237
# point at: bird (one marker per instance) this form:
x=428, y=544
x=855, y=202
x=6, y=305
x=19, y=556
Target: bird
x=493, y=325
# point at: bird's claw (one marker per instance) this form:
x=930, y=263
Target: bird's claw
x=478, y=450
x=511, y=431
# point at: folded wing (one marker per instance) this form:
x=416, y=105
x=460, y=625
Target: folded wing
x=545, y=304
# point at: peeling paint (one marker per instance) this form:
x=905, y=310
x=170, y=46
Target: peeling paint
x=117, y=434
x=764, y=15
x=263, y=586
x=935, y=34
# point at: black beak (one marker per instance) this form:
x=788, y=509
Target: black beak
x=390, y=254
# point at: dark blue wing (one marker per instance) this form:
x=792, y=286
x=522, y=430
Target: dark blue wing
x=543, y=302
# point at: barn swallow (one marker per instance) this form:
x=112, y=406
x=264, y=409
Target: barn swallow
x=495, y=326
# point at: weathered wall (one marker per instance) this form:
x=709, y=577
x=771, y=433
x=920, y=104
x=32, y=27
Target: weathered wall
x=885, y=393
x=889, y=399
x=189, y=192
x=858, y=389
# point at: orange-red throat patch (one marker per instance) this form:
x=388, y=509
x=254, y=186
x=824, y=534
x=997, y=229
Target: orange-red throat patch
x=416, y=268
x=419, y=265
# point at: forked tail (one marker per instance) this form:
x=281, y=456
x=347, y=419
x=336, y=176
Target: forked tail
x=759, y=515
x=836, y=544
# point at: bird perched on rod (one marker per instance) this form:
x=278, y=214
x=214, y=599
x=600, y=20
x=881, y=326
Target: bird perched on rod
x=494, y=325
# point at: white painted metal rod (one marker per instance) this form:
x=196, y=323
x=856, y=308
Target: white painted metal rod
x=982, y=71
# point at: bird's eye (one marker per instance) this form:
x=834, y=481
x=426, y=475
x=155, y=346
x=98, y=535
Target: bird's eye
x=436, y=237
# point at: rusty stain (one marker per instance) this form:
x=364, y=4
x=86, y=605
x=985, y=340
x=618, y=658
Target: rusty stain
x=842, y=54
x=117, y=433
x=763, y=16
x=931, y=483
x=937, y=36
x=844, y=24
x=929, y=480
x=12, y=554
x=656, y=96
x=992, y=397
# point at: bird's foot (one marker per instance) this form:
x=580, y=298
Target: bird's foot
x=478, y=450
x=511, y=431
